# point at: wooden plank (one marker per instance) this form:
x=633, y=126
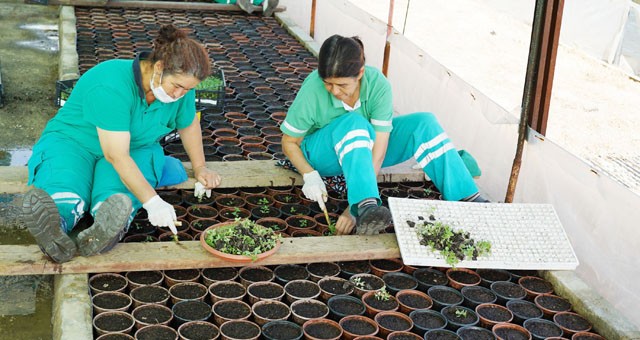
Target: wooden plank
x=29, y=260
x=13, y=179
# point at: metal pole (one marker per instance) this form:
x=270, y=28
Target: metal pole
x=539, y=76
x=387, y=45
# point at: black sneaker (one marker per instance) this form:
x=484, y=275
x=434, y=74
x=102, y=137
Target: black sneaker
x=41, y=216
x=268, y=7
x=372, y=219
x=108, y=227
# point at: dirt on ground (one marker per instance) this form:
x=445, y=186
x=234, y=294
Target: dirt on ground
x=29, y=66
x=28, y=69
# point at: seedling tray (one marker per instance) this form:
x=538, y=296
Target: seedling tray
x=63, y=90
x=522, y=236
x=211, y=91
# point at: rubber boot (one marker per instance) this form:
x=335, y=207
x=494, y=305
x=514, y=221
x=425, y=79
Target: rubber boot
x=110, y=223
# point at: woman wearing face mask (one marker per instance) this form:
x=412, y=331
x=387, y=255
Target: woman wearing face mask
x=101, y=152
x=341, y=122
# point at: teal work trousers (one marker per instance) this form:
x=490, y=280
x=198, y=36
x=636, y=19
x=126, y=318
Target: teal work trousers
x=78, y=181
x=344, y=147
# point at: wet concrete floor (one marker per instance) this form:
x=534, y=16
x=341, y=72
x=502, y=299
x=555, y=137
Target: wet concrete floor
x=28, y=70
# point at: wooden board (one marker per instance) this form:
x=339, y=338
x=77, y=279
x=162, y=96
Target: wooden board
x=29, y=260
x=13, y=179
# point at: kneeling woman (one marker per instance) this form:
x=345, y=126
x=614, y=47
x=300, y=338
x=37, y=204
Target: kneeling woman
x=101, y=152
x=341, y=122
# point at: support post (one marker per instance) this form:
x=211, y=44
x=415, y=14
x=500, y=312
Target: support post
x=545, y=34
x=387, y=45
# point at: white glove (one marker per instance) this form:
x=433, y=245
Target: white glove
x=199, y=191
x=161, y=213
x=314, y=188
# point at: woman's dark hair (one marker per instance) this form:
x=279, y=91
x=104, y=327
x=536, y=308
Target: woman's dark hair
x=340, y=57
x=180, y=54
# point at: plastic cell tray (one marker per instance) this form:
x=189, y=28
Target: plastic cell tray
x=522, y=236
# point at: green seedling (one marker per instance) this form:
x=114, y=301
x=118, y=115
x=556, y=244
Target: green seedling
x=244, y=237
x=357, y=282
x=461, y=313
x=453, y=245
x=264, y=209
x=382, y=294
x=263, y=201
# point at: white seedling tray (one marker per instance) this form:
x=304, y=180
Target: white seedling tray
x=522, y=236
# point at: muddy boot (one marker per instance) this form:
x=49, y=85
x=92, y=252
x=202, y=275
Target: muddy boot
x=108, y=227
x=42, y=219
x=268, y=7
x=372, y=219
x=245, y=5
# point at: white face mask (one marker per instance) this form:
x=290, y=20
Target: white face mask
x=160, y=93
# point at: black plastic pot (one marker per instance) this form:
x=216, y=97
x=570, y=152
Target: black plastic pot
x=397, y=281
x=288, y=272
x=343, y=305
x=459, y=316
x=425, y=320
x=282, y=330
x=429, y=277
x=444, y=296
x=476, y=295
x=191, y=310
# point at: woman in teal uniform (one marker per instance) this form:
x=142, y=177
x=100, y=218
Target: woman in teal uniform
x=341, y=122
x=101, y=152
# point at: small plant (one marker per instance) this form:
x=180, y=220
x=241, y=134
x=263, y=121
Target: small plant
x=288, y=198
x=263, y=201
x=461, y=313
x=303, y=223
x=292, y=210
x=382, y=294
x=175, y=238
x=264, y=209
x=244, y=237
x=148, y=239
x=331, y=228
x=357, y=282
x=236, y=212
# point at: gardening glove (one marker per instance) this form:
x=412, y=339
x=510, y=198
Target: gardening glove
x=314, y=188
x=161, y=213
x=199, y=191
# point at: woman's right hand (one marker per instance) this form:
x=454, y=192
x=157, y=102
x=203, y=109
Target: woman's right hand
x=161, y=213
x=345, y=223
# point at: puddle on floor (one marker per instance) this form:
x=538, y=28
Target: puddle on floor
x=15, y=157
x=26, y=301
x=46, y=37
x=33, y=326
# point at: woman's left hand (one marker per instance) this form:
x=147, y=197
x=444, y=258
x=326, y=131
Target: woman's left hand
x=209, y=178
x=345, y=223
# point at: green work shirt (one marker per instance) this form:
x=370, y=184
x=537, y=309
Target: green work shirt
x=314, y=107
x=110, y=96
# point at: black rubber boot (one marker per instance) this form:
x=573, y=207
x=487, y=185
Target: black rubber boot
x=41, y=216
x=108, y=227
x=372, y=219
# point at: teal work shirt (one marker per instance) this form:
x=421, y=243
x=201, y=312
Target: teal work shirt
x=110, y=96
x=314, y=107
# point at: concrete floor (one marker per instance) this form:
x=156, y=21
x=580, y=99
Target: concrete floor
x=29, y=63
